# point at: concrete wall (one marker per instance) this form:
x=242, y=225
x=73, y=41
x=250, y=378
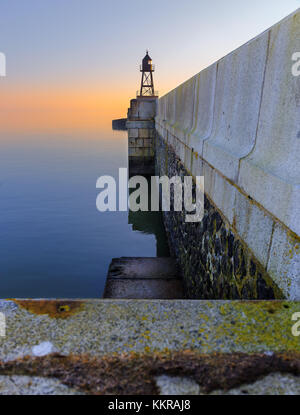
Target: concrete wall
x=142, y=108
x=237, y=123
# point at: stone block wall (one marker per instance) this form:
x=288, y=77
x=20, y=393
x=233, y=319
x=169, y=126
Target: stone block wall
x=237, y=124
x=215, y=263
x=141, y=130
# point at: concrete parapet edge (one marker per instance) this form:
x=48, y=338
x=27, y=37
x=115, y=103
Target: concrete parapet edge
x=99, y=327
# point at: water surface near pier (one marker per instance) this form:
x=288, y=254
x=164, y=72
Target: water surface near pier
x=53, y=241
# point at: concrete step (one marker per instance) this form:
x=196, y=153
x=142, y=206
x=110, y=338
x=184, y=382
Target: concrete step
x=142, y=278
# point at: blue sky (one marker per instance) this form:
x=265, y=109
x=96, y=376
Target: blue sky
x=99, y=44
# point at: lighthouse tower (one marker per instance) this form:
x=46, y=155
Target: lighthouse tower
x=147, y=84
x=140, y=123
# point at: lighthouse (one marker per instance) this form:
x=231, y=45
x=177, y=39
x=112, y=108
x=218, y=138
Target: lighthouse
x=147, y=84
x=140, y=123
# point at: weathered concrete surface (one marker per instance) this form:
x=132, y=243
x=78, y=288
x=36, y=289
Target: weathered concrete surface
x=273, y=384
x=136, y=124
x=271, y=172
x=143, y=278
x=108, y=328
x=237, y=102
x=143, y=288
x=34, y=385
x=284, y=260
x=142, y=108
x=98, y=327
x=184, y=96
x=175, y=385
x=237, y=123
x=205, y=96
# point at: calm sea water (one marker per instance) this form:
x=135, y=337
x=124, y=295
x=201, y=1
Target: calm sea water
x=53, y=241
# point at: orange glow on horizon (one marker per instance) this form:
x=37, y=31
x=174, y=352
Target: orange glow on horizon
x=64, y=107
x=57, y=109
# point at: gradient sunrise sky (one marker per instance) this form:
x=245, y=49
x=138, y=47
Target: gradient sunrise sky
x=73, y=64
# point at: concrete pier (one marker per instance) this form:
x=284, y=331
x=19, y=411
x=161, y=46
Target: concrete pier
x=119, y=124
x=237, y=124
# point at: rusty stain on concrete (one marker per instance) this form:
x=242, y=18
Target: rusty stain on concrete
x=53, y=308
